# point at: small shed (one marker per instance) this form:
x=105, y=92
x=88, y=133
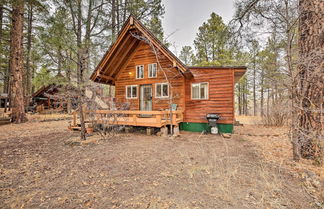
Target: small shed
x=45, y=99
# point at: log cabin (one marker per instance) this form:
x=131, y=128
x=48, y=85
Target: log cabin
x=42, y=97
x=151, y=79
x=51, y=98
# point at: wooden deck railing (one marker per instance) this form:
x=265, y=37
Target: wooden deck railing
x=131, y=117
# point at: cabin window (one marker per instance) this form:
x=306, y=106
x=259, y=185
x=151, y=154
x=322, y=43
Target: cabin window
x=131, y=92
x=199, y=90
x=152, y=70
x=161, y=90
x=140, y=71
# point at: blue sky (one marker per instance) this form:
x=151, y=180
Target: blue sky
x=183, y=17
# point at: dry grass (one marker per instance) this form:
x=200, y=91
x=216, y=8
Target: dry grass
x=133, y=170
x=37, y=117
x=32, y=129
x=225, y=176
x=274, y=145
x=48, y=117
x=249, y=120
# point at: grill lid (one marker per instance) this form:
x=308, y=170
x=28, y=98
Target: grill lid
x=212, y=116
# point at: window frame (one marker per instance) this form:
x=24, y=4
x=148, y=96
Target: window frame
x=137, y=72
x=136, y=86
x=162, y=97
x=148, y=70
x=207, y=96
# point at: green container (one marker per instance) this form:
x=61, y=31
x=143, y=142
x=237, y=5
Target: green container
x=200, y=127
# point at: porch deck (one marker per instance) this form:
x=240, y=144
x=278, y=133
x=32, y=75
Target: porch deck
x=156, y=119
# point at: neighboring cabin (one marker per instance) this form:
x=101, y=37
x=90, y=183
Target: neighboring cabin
x=132, y=66
x=44, y=98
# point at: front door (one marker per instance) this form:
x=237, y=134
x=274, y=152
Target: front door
x=146, y=98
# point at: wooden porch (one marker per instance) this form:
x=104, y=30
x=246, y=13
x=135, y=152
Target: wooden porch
x=156, y=119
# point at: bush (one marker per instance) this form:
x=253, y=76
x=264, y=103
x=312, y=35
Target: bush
x=278, y=115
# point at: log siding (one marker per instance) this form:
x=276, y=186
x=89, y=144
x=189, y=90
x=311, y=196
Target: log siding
x=144, y=55
x=220, y=95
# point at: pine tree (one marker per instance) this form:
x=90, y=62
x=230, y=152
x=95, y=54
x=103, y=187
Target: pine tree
x=5, y=28
x=308, y=96
x=187, y=55
x=254, y=53
x=18, y=114
x=304, y=83
x=211, y=41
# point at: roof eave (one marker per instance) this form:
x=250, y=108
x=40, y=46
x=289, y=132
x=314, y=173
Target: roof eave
x=111, y=48
x=217, y=67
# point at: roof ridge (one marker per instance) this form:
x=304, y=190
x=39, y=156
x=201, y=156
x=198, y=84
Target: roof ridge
x=133, y=21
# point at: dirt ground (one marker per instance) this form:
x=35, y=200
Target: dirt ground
x=252, y=169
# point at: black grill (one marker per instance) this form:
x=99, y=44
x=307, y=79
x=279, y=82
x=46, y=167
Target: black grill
x=212, y=119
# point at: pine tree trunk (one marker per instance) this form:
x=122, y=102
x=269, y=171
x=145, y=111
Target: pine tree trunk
x=59, y=61
x=113, y=20
x=6, y=71
x=28, y=76
x=1, y=37
x=268, y=102
x=80, y=68
x=123, y=9
x=262, y=94
x=273, y=100
x=254, y=93
x=308, y=96
x=117, y=15
x=239, y=99
x=276, y=94
x=18, y=114
x=68, y=76
x=245, y=101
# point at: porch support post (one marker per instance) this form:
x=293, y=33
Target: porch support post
x=164, y=131
x=5, y=104
x=149, y=131
x=176, y=131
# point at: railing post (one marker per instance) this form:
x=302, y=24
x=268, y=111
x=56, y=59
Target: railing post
x=84, y=114
x=134, y=119
x=158, y=118
x=74, y=118
x=174, y=118
x=96, y=116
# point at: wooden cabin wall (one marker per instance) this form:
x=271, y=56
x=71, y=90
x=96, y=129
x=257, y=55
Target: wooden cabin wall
x=144, y=55
x=221, y=95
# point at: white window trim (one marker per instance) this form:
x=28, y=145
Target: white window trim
x=199, y=91
x=162, y=97
x=136, y=71
x=132, y=91
x=148, y=70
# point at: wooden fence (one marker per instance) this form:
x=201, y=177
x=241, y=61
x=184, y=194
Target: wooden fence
x=130, y=117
